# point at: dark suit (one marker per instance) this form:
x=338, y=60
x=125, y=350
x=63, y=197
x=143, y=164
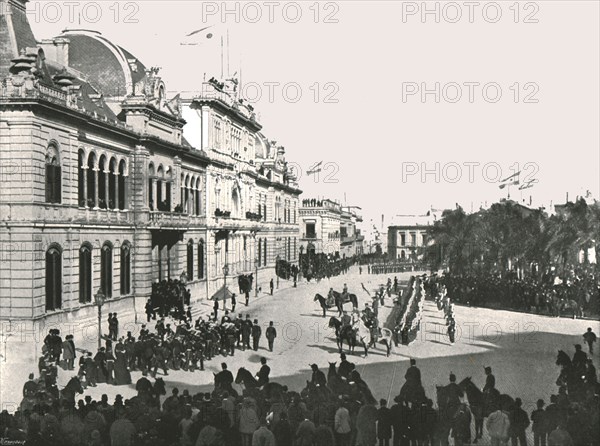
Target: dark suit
x=256, y=333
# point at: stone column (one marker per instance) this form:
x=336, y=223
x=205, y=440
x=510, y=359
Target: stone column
x=154, y=197
x=106, y=188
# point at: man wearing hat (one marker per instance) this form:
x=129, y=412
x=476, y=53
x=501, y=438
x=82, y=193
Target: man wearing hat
x=30, y=387
x=345, y=366
x=579, y=358
x=271, y=334
x=263, y=374
x=490, y=380
x=246, y=332
x=455, y=393
x=590, y=337
x=318, y=377
x=256, y=333
x=540, y=424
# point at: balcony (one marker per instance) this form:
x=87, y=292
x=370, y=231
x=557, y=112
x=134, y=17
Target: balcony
x=169, y=220
x=309, y=236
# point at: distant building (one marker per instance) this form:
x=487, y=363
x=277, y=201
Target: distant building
x=407, y=234
x=328, y=227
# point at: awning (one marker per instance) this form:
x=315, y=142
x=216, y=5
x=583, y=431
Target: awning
x=222, y=294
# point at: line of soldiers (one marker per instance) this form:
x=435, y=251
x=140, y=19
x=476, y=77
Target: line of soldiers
x=187, y=348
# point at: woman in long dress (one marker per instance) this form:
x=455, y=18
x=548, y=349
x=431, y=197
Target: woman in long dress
x=122, y=375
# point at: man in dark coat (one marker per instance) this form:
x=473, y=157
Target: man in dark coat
x=263, y=374
x=30, y=387
x=384, y=424
x=226, y=376
x=455, y=393
x=590, y=337
x=579, y=358
x=246, y=331
x=345, y=366
x=519, y=421
x=490, y=381
x=271, y=286
x=318, y=377
x=90, y=370
x=256, y=333
x=68, y=347
x=271, y=334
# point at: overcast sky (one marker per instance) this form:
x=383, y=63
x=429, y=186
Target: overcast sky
x=360, y=70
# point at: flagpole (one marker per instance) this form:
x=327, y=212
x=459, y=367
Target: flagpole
x=221, y=58
x=227, y=52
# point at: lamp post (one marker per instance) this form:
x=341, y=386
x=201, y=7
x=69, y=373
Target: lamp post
x=99, y=299
x=183, y=278
x=256, y=276
x=225, y=272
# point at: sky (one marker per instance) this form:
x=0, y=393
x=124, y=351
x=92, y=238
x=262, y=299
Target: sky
x=408, y=105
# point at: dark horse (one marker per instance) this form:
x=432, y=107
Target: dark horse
x=343, y=334
x=222, y=386
x=322, y=302
x=340, y=301
x=481, y=405
x=72, y=388
x=335, y=383
x=270, y=390
x=149, y=394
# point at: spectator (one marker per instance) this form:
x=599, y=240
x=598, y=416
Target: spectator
x=498, y=425
x=342, y=425
x=384, y=424
x=519, y=421
x=540, y=424
x=263, y=436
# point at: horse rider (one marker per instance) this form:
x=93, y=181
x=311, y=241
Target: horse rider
x=346, y=319
x=226, y=376
x=345, y=366
x=345, y=292
x=262, y=377
x=455, y=393
x=318, y=377
x=330, y=297
x=490, y=381
x=355, y=317
x=368, y=315
x=579, y=358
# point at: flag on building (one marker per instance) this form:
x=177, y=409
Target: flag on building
x=316, y=168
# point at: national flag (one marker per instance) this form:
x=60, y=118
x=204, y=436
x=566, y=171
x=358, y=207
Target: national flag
x=511, y=183
x=316, y=168
x=512, y=176
x=199, y=31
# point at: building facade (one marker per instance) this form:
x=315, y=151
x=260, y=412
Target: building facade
x=107, y=184
x=330, y=228
x=407, y=236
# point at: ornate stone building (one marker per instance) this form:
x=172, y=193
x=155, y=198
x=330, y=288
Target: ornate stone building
x=105, y=183
x=330, y=228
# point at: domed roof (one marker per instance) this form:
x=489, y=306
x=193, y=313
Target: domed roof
x=108, y=67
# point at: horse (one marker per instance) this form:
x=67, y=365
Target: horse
x=363, y=334
x=322, y=302
x=342, y=334
x=148, y=393
x=481, y=405
x=72, y=388
x=385, y=337
x=335, y=383
x=222, y=386
x=569, y=376
x=340, y=301
x=271, y=390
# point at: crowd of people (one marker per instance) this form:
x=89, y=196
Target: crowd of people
x=169, y=297
x=574, y=294
x=320, y=266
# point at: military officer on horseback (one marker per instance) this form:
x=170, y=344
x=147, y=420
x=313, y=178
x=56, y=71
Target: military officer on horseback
x=330, y=298
x=490, y=381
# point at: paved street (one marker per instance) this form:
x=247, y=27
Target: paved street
x=521, y=348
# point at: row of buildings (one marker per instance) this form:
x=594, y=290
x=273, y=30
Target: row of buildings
x=108, y=184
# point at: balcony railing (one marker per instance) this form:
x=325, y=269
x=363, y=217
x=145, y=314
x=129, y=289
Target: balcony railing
x=168, y=219
x=309, y=236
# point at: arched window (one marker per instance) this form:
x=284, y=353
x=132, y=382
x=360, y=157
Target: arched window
x=106, y=270
x=91, y=181
x=53, y=175
x=53, y=278
x=85, y=274
x=235, y=198
x=125, y=269
x=201, y=259
x=81, y=178
x=151, y=203
x=198, y=200
x=112, y=184
x=121, y=183
x=190, y=260
x=102, y=183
